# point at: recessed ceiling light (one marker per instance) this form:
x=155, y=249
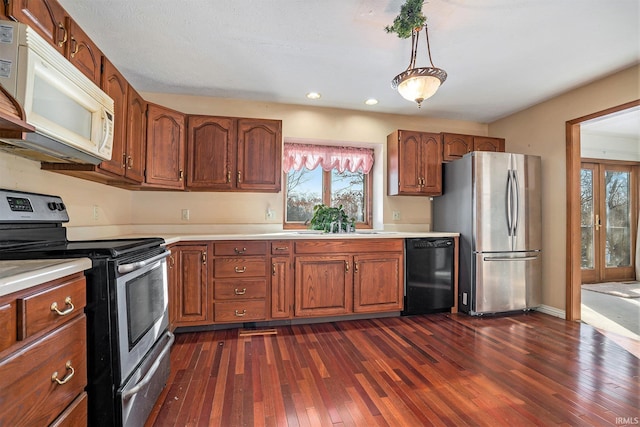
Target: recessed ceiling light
x=313, y=95
x=371, y=101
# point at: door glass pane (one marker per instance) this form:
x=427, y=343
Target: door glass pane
x=304, y=191
x=586, y=218
x=347, y=189
x=618, y=226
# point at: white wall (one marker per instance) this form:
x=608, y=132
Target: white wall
x=541, y=130
x=599, y=146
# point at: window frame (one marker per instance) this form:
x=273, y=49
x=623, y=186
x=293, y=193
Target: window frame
x=326, y=199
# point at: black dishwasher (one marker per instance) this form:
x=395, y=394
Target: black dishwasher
x=428, y=275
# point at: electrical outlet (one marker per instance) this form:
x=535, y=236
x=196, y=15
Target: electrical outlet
x=96, y=212
x=396, y=215
x=270, y=214
x=185, y=214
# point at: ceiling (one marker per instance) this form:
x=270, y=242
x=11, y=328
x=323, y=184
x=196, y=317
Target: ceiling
x=501, y=56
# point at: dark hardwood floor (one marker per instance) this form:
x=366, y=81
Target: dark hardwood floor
x=440, y=369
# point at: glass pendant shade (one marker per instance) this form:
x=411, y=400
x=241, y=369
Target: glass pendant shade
x=419, y=83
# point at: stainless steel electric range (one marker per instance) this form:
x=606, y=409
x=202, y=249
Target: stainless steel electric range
x=127, y=304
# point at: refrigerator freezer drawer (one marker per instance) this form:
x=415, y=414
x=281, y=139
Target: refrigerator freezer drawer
x=506, y=282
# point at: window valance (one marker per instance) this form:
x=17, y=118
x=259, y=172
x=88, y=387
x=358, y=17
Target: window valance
x=298, y=156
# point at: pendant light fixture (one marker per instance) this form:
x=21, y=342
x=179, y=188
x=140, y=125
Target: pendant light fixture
x=419, y=83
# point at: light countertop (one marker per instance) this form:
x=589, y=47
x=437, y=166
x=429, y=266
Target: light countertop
x=299, y=235
x=16, y=275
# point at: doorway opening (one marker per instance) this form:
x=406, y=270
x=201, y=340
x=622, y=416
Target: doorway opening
x=602, y=226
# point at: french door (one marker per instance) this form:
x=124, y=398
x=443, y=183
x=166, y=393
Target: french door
x=609, y=217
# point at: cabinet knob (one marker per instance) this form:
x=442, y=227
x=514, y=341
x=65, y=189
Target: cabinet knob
x=239, y=251
x=240, y=270
x=240, y=292
x=74, y=48
x=238, y=314
x=346, y=266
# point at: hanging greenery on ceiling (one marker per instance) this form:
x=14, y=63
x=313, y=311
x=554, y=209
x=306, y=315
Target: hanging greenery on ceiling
x=410, y=18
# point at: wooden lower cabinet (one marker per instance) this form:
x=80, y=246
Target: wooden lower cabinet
x=240, y=282
x=360, y=276
x=252, y=281
x=323, y=285
x=43, y=357
x=378, y=282
x=190, y=285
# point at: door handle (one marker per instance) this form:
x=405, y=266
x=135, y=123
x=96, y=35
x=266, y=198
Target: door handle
x=516, y=197
x=509, y=203
x=597, y=222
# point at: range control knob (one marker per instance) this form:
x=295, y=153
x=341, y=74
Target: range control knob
x=61, y=206
x=52, y=206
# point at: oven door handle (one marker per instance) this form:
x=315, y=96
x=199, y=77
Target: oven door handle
x=152, y=370
x=128, y=268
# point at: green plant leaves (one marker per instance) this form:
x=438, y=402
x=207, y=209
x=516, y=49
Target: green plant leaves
x=325, y=216
x=410, y=18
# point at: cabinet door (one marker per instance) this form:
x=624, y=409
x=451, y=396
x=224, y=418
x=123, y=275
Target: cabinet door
x=485, y=143
x=211, y=151
x=377, y=282
x=165, y=148
x=47, y=17
x=115, y=85
x=193, y=277
x=173, y=279
x=323, y=285
x=280, y=287
x=136, y=131
x=454, y=146
x=409, y=164
x=431, y=158
x=83, y=53
x=259, y=164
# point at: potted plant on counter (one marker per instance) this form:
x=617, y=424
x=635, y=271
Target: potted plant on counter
x=330, y=220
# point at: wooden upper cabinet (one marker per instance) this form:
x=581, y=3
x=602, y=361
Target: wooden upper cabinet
x=51, y=21
x=485, y=143
x=211, y=153
x=455, y=145
x=259, y=155
x=47, y=17
x=165, y=148
x=136, y=136
x=414, y=163
x=234, y=154
x=115, y=85
x=82, y=52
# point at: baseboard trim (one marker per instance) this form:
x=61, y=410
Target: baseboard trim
x=552, y=311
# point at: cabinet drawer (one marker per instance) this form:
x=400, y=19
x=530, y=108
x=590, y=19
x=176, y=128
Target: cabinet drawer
x=356, y=246
x=240, y=248
x=240, y=267
x=240, y=289
x=26, y=376
x=7, y=325
x=281, y=247
x=77, y=414
x=37, y=312
x=239, y=311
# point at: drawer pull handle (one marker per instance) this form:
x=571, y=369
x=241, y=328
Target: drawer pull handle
x=283, y=248
x=54, y=377
x=240, y=292
x=240, y=251
x=238, y=314
x=67, y=301
x=241, y=270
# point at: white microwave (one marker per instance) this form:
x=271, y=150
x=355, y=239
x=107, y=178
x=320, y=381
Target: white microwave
x=73, y=118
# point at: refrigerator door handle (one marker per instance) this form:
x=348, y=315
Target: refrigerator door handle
x=516, y=198
x=509, y=203
x=502, y=258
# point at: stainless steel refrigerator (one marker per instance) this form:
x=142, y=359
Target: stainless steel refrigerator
x=493, y=201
